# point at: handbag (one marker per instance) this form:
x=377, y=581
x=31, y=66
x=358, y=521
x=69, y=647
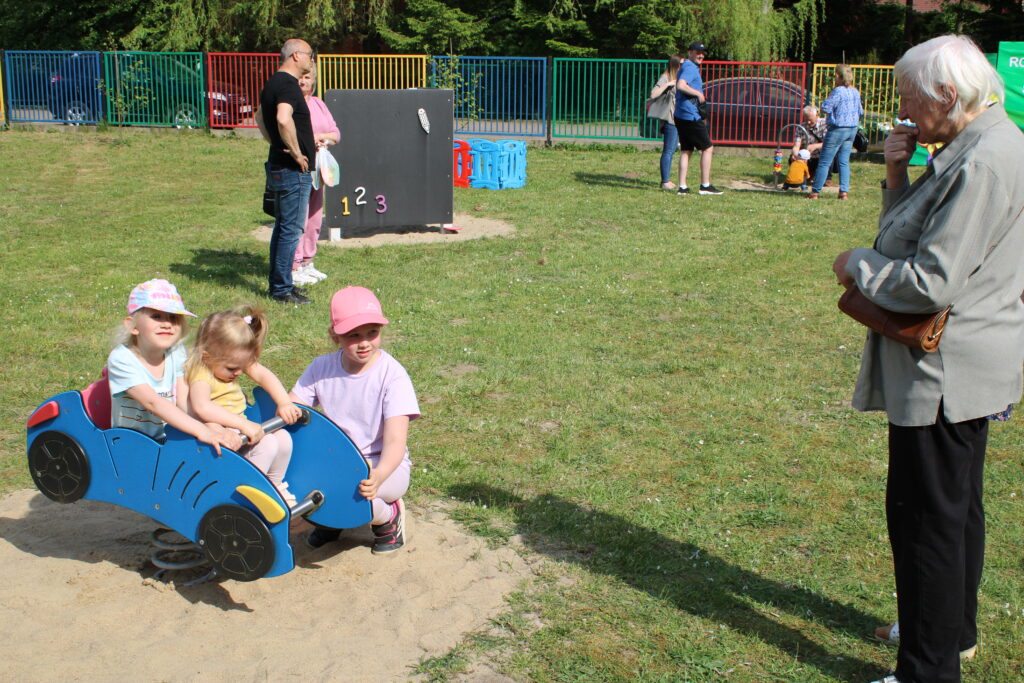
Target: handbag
x=916, y=330
x=860, y=142
x=663, y=106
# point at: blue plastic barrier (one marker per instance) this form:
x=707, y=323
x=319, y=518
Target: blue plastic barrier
x=498, y=165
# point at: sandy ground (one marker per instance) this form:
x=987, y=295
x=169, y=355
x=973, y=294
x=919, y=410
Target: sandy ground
x=77, y=603
x=466, y=228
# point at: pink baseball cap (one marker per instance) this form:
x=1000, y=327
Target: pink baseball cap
x=355, y=306
x=160, y=295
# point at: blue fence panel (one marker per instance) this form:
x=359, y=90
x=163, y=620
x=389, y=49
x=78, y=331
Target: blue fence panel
x=495, y=95
x=54, y=86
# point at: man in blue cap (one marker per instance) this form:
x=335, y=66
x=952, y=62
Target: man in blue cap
x=693, y=129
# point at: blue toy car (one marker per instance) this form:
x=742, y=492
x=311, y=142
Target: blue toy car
x=222, y=503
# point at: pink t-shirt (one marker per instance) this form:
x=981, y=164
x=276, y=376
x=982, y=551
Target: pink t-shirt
x=359, y=404
x=320, y=117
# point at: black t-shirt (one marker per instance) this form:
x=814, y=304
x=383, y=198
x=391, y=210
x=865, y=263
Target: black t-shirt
x=282, y=87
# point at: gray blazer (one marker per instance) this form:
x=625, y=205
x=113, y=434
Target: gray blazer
x=955, y=236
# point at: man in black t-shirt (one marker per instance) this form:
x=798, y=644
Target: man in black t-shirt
x=285, y=123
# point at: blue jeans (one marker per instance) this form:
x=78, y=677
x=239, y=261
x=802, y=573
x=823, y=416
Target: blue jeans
x=668, y=150
x=838, y=141
x=291, y=194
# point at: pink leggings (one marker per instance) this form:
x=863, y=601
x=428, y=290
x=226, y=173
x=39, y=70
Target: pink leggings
x=306, y=248
x=271, y=456
x=393, y=488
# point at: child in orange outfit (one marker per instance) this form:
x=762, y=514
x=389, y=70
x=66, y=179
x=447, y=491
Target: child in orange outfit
x=798, y=174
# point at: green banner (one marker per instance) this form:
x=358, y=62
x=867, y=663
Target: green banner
x=1011, y=68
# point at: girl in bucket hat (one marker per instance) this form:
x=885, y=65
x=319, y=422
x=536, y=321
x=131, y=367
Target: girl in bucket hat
x=367, y=393
x=146, y=368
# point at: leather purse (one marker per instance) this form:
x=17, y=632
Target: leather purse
x=916, y=330
x=663, y=106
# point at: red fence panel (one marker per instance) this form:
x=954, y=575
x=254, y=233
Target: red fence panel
x=750, y=102
x=236, y=79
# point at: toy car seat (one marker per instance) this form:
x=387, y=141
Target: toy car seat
x=96, y=398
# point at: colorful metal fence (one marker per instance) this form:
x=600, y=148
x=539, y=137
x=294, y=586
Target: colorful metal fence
x=3, y=104
x=877, y=86
x=234, y=87
x=750, y=102
x=53, y=87
x=155, y=88
x=602, y=98
x=371, y=72
x=495, y=95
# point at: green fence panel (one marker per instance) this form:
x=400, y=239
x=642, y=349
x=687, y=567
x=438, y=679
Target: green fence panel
x=155, y=89
x=877, y=86
x=1011, y=68
x=603, y=98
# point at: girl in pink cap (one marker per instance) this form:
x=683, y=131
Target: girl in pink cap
x=367, y=393
x=146, y=369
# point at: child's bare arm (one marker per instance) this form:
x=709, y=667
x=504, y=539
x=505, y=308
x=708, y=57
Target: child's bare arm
x=147, y=397
x=286, y=410
x=207, y=410
x=396, y=432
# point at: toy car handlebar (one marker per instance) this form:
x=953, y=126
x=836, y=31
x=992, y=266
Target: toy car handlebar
x=275, y=423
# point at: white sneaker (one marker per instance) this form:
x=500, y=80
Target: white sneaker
x=299, y=277
x=309, y=270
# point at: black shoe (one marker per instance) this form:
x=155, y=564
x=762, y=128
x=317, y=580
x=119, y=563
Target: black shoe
x=291, y=297
x=321, y=535
x=683, y=190
x=299, y=290
x=708, y=189
x=390, y=536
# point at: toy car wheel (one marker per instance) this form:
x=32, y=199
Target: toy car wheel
x=237, y=542
x=59, y=467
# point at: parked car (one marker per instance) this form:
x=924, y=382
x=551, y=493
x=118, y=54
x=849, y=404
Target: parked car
x=222, y=503
x=752, y=110
x=142, y=89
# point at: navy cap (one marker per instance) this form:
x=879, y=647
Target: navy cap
x=697, y=46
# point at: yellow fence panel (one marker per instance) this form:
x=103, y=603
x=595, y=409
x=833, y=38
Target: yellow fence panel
x=3, y=109
x=877, y=86
x=371, y=72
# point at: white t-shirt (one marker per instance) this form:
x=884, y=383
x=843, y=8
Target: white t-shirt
x=124, y=371
x=359, y=404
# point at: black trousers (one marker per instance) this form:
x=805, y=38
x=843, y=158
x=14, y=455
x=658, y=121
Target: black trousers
x=936, y=521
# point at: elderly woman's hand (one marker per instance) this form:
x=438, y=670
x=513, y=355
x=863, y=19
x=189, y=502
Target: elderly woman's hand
x=899, y=148
x=839, y=268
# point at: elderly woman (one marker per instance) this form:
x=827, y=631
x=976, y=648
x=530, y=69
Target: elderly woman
x=844, y=110
x=325, y=133
x=953, y=237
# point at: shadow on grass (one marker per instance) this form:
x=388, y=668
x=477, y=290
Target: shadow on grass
x=227, y=267
x=613, y=181
x=696, y=581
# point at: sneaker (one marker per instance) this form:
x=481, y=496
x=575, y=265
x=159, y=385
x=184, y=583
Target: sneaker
x=843, y=195
x=321, y=536
x=292, y=297
x=887, y=679
x=390, y=536
x=683, y=190
x=668, y=185
x=301, y=277
x=708, y=189
x=811, y=195
x=890, y=635
x=309, y=270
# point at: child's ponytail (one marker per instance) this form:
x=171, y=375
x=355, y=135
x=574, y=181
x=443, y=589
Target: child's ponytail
x=258, y=323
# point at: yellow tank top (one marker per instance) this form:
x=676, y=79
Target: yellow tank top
x=226, y=394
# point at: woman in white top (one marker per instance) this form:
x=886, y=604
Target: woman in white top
x=670, y=135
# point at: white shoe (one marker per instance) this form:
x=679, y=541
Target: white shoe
x=308, y=269
x=890, y=635
x=887, y=679
x=299, y=277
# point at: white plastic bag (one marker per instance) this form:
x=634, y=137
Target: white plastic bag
x=328, y=167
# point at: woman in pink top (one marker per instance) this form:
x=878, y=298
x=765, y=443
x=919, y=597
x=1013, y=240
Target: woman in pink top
x=325, y=132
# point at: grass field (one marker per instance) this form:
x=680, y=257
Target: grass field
x=651, y=391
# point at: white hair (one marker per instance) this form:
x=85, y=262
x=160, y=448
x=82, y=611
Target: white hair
x=935, y=65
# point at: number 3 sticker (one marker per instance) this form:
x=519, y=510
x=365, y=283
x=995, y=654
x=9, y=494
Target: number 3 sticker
x=382, y=204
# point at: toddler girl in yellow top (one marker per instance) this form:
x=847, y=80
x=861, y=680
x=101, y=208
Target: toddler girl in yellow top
x=228, y=344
